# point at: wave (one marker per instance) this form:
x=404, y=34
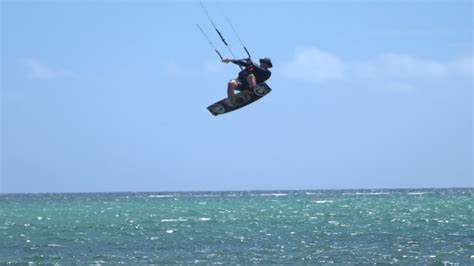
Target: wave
x=322, y=201
x=274, y=194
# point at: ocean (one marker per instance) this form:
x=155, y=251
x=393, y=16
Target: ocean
x=410, y=226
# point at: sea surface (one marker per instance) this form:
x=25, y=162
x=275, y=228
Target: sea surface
x=418, y=226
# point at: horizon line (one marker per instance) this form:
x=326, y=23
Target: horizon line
x=230, y=191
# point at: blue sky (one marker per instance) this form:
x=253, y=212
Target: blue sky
x=112, y=96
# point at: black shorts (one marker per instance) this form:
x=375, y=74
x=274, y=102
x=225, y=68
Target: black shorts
x=242, y=84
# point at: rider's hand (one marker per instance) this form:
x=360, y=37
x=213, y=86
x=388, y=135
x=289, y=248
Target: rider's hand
x=226, y=61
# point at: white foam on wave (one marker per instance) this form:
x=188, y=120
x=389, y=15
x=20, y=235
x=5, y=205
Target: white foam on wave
x=417, y=193
x=55, y=245
x=168, y=220
x=161, y=196
x=322, y=201
x=367, y=193
x=274, y=194
x=174, y=220
x=206, y=195
x=204, y=219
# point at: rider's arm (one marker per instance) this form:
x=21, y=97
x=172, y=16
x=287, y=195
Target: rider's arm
x=239, y=62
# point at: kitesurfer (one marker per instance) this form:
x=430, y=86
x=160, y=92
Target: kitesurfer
x=251, y=74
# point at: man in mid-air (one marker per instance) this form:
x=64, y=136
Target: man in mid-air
x=251, y=74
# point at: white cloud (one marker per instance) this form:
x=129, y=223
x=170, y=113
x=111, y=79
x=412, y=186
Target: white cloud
x=463, y=67
x=315, y=65
x=396, y=66
x=393, y=70
x=38, y=70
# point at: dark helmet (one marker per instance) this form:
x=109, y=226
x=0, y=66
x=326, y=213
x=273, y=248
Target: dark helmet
x=267, y=61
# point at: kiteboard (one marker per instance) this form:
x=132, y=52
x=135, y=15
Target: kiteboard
x=239, y=100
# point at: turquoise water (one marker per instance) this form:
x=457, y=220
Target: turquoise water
x=432, y=226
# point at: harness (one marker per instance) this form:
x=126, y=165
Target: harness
x=249, y=69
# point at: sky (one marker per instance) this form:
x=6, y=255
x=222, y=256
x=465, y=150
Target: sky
x=111, y=96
